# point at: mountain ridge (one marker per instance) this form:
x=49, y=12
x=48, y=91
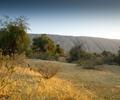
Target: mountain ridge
x=90, y=44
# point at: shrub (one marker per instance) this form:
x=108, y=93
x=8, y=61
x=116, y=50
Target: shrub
x=90, y=63
x=48, y=70
x=94, y=63
x=95, y=59
x=48, y=73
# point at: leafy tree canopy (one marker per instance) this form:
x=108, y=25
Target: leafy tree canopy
x=43, y=44
x=46, y=47
x=13, y=35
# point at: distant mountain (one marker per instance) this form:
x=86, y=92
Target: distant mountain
x=90, y=44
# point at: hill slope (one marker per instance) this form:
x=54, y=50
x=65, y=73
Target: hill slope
x=90, y=44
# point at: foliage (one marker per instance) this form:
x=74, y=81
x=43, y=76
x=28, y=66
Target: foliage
x=83, y=58
x=59, y=50
x=45, y=48
x=105, y=57
x=29, y=53
x=91, y=63
x=45, y=56
x=77, y=53
x=13, y=35
x=108, y=57
x=117, y=58
x=43, y=44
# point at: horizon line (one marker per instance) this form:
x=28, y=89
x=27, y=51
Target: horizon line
x=73, y=35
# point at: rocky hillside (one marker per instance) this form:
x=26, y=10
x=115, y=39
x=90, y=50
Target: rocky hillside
x=90, y=44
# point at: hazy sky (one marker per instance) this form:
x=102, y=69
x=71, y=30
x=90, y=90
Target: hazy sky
x=99, y=18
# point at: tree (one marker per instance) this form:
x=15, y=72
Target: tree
x=77, y=53
x=43, y=44
x=43, y=47
x=46, y=47
x=108, y=57
x=13, y=35
x=59, y=50
x=117, y=58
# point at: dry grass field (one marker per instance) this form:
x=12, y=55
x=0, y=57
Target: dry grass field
x=70, y=82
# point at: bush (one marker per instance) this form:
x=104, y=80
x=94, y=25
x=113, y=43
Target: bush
x=48, y=72
x=83, y=58
x=90, y=63
x=108, y=57
x=97, y=59
x=94, y=63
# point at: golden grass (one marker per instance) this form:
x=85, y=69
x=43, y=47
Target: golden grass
x=28, y=85
x=103, y=84
x=70, y=83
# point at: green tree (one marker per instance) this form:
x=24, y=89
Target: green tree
x=107, y=57
x=77, y=53
x=59, y=50
x=43, y=47
x=46, y=48
x=13, y=35
x=117, y=58
x=43, y=44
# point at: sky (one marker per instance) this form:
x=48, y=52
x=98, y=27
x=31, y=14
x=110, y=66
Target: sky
x=96, y=18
